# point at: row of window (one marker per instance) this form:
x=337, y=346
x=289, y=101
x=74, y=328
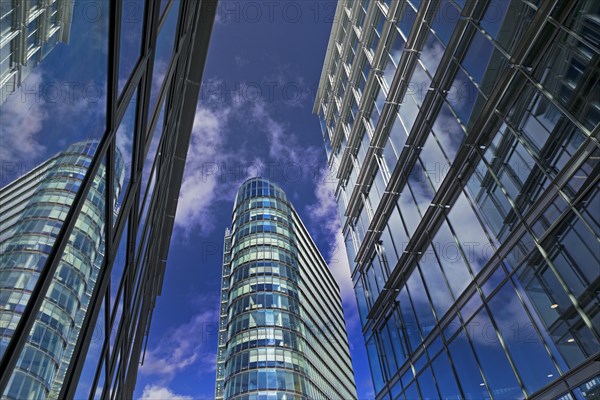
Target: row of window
x=265, y=239
x=262, y=337
x=263, y=300
x=279, y=380
x=264, y=202
x=261, y=253
x=259, y=215
x=263, y=284
x=268, y=268
x=260, y=227
x=269, y=357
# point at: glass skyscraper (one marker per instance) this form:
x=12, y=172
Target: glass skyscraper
x=464, y=139
x=33, y=209
x=29, y=30
x=282, y=332
x=85, y=235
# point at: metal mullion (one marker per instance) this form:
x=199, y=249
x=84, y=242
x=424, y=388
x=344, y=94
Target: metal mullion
x=131, y=196
x=142, y=62
x=146, y=82
x=196, y=46
x=131, y=280
x=106, y=148
x=141, y=294
x=126, y=313
x=106, y=354
x=102, y=360
x=165, y=13
x=454, y=44
x=507, y=246
x=397, y=92
x=40, y=290
x=164, y=89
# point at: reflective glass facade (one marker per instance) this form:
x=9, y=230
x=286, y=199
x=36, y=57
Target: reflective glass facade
x=29, y=30
x=38, y=206
x=85, y=234
x=464, y=139
x=282, y=333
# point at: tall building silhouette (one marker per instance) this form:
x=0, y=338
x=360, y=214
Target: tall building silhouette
x=464, y=139
x=282, y=332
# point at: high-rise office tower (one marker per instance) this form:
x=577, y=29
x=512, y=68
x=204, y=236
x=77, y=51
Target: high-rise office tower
x=33, y=209
x=86, y=254
x=464, y=138
x=282, y=332
x=29, y=30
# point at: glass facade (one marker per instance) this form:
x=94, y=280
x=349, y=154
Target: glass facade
x=29, y=30
x=41, y=211
x=282, y=333
x=85, y=234
x=464, y=140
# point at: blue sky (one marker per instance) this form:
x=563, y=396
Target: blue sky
x=254, y=118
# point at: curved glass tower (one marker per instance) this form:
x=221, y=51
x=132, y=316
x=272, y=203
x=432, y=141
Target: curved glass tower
x=36, y=206
x=282, y=329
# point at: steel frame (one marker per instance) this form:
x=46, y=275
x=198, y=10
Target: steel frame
x=144, y=268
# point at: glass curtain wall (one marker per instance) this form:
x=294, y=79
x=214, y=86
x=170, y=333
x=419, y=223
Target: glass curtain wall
x=465, y=147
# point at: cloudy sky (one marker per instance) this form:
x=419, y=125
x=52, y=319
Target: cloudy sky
x=254, y=118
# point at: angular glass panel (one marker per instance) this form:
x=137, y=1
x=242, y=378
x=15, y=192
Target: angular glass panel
x=124, y=145
x=165, y=45
x=470, y=233
x=152, y=148
x=432, y=53
x=397, y=47
x=435, y=282
x=421, y=303
x=398, y=232
x=409, y=322
x=462, y=96
x=406, y=20
x=467, y=370
x=408, y=111
x=451, y=260
x=398, y=136
x=521, y=339
x=492, y=358
x=409, y=211
x=445, y=378
x=427, y=385
x=434, y=162
x=420, y=187
x=132, y=21
x=419, y=82
x=445, y=20
x=92, y=367
x=448, y=131
x=376, y=372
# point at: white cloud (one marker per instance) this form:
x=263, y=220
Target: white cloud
x=283, y=144
x=154, y=392
x=190, y=344
x=199, y=187
x=218, y=162
x=325, y=213
x=23, y=118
